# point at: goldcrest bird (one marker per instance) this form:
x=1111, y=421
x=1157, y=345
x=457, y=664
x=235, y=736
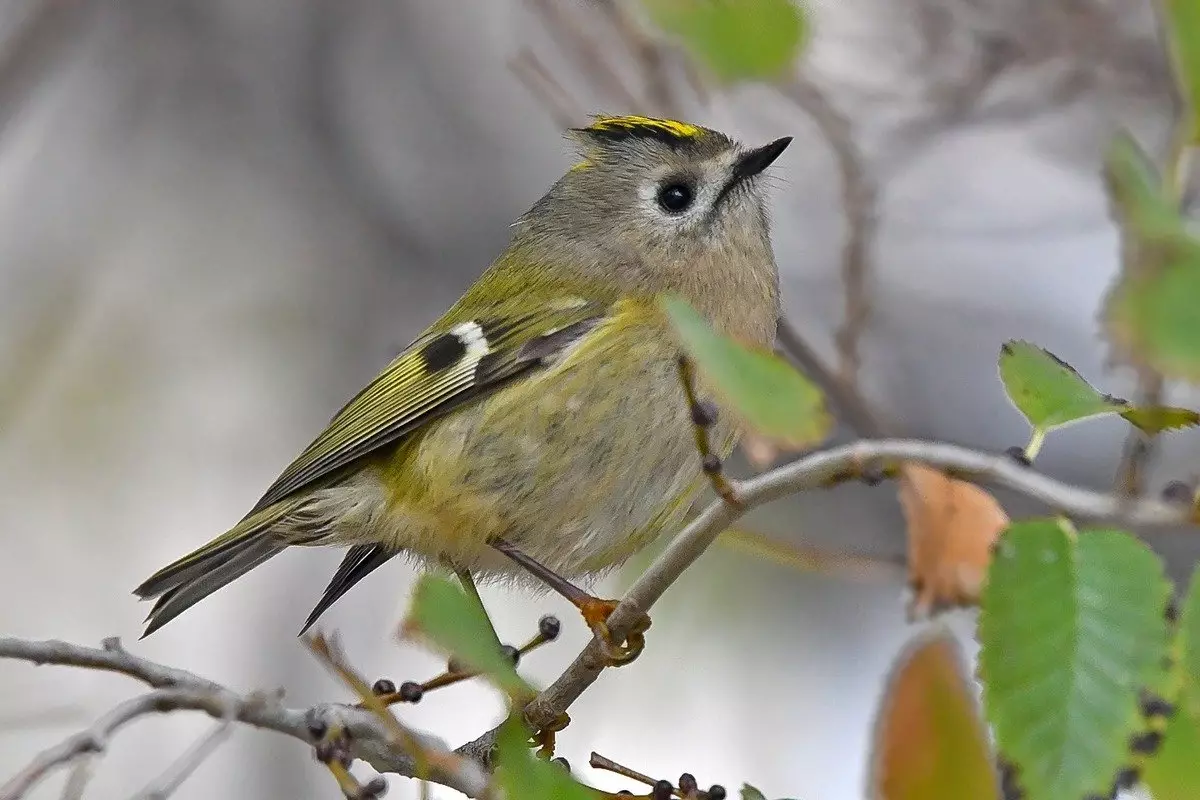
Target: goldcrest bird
x=538, y=431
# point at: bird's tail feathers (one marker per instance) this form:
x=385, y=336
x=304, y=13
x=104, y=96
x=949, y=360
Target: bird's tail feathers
x=182, y=584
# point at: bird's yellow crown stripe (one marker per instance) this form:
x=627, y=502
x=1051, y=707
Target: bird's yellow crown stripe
x=633, y=124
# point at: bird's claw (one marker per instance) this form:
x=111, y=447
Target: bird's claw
x=544, y=738
x=615, y=654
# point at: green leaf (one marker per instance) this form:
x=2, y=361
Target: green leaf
x=523, y=776
x=1189, y=644
x=1183, y=32
x=1152, y=317
x=1174, y=772
x=1070, y=627
x=1157, y=419
x=1150, y=313
x=735, y=39
x=930, y=742
x=456, y=623
x=1048, y=390
x=1136, y=189
x=1051, y=394
x=750, y=793
x=771, y=397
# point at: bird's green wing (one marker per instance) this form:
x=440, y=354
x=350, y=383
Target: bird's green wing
x=434, y=375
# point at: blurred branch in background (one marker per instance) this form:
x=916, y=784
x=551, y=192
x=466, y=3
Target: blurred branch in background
x=39, y=38
x=1139, y=448
x=860, y=200
x=814, y=559
x=535, y=77
x=375, y=740
x=326, y=126
x=975, y=62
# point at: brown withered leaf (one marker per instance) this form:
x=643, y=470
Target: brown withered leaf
x=952, y=525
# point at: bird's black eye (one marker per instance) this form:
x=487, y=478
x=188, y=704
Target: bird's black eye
x=675, y=197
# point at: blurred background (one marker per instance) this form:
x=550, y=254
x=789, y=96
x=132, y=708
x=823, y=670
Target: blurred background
x=219, y=218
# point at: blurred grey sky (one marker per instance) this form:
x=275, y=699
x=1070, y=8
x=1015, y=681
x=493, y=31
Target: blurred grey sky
x=219, y=217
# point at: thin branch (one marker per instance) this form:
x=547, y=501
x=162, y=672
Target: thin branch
x=1139, y=446
x=853, y=408
x=96, y=738
x=822, y=560
x=77, y=781
x=650, y=54
x=586, y=52
x=174, y=776
x=860, y=205
x=542, y=84
x=815, y=471
x=370, y=738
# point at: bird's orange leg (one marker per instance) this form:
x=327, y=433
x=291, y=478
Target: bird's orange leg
x=595, y=610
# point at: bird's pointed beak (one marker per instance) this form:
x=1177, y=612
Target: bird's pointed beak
x=755, y=161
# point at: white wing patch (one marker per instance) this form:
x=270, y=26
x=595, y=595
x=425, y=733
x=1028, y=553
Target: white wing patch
x=471, y=335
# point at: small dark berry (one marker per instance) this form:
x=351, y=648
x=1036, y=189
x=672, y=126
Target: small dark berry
x=716, y=792
x=411, y=692
x=871, y=474
x=662, y=791
x=317, y=728
x=549, y=627
x=1127, y=779
x=624, y=792
x=687, y=784
x=511, y=653
x=562, y=762
x=375, y=788
x=1146, y=744
x=1018, y=455
x=704, y=413
x=711, y=464
x=383, y=686
x=1178, y=492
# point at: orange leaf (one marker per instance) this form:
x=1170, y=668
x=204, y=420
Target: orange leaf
x=952, y=525
x=930, y=742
